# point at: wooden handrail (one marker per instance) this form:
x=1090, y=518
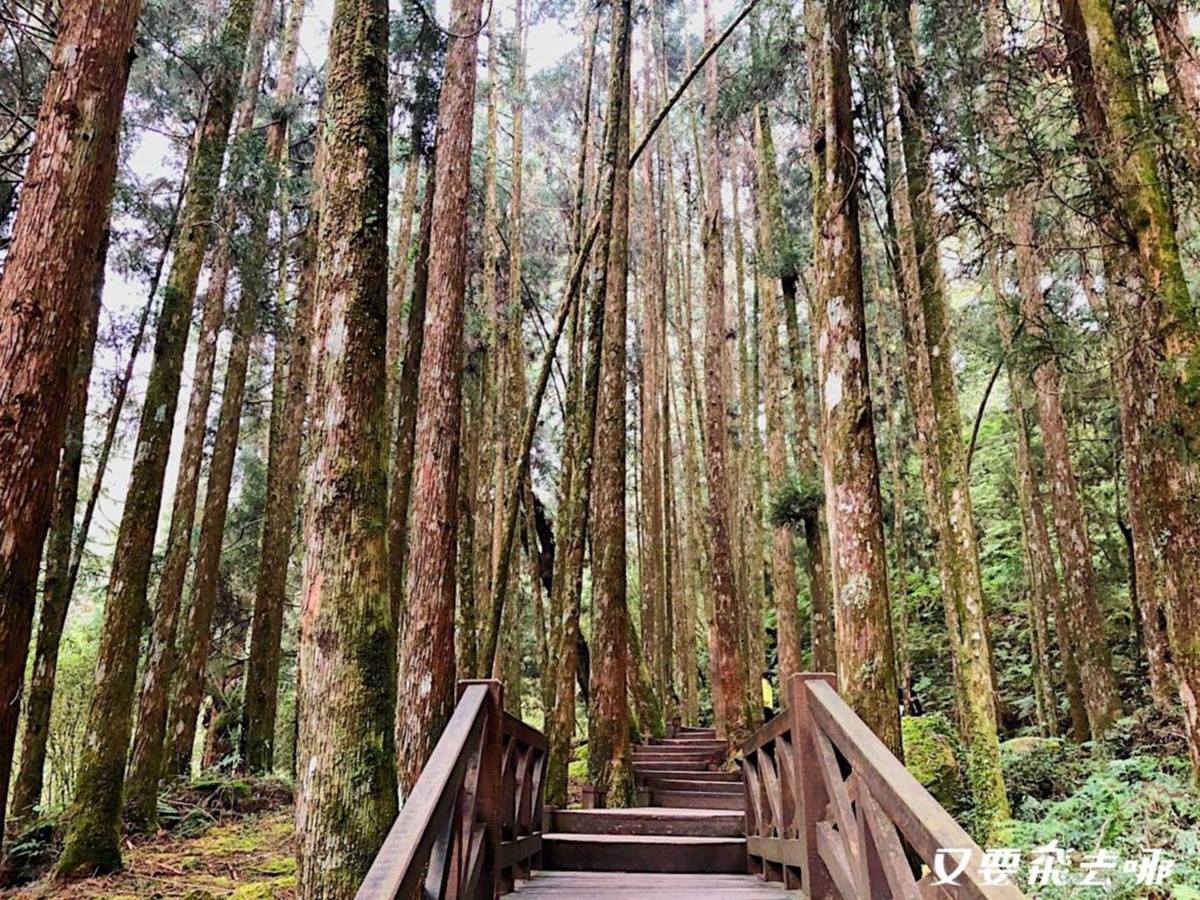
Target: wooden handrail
x=831, y=810
x=473, y=822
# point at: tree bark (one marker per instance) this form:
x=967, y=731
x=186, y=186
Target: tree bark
x=739, y=717
x=56, y=585
x=49, y=278
x=609, y=755
x=853, y=505
x=93, y=838
x=346, y=790
x=783, y=563
x=969, y=624
x=426, y=659
x=288, y=405
x=400, y=497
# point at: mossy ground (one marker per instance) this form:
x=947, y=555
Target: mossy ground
x=247, y=858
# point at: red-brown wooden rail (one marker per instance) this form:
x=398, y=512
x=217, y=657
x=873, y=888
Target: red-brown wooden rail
x=473, y=821
x=829, y=809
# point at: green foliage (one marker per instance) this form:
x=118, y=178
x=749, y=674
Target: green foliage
x=794, y=501
x=1039, y=769
x=1127, y=806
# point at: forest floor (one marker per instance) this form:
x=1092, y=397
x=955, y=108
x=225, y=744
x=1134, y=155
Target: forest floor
x=212, y=853
x=250, y=858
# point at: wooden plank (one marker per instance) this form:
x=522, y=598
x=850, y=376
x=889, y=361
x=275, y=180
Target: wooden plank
x=811, y=797
x=920, y=818
x=396, y=871
x=520, y=849
x=832, y=850
x=643, y=885
x=788, y=853
x=766, y=733
x=526, y=734
x=887, y=844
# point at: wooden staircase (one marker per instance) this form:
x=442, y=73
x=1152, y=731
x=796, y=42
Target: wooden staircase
x=690, y=817
x=825, y=808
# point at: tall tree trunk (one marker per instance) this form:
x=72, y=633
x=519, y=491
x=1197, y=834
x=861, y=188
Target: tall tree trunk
x=1181, y=66
x=854, y=507
x=346, y=791
x=969, y=625
x=288, y=405
x=56, y=586
x=1041, y=576
x=1155, y=299
x=609, y=757
x=783, y=562
x=1088, y=640
x=655, y=577
x=283, y=490
x=93, y=839
x=401, y=460
x=247, y=240
x=398, y=285
x=49, y=279
x=426, y=659
x=739, y=716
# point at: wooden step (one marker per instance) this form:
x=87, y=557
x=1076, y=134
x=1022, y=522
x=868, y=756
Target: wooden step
x=684, y=784
x=692, y=729
x=698, y=800
x=684, y=743
x=677, y=765
x=642, y=885
x=650, y=820
x=687, y=775
x=643, y=853
x=675, y=756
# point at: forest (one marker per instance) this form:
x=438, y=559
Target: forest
x=638, y=355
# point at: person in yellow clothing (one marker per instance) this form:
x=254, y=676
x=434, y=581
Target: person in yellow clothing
x=768, y=693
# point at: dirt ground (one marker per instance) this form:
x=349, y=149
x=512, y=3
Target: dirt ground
x=248, y=858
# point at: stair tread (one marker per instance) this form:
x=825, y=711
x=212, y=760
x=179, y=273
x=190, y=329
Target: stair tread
x=660, y=812
x=638, y=838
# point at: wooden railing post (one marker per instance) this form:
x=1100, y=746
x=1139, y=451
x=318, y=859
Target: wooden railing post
x=811, y=796
x=488, y=803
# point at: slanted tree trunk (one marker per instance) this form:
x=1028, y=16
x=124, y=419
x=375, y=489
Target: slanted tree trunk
x=56, y=586
x=609, y=757
x=739, y=716
x=1101, y=697
x=1155, y=303
x=854, y=507
x=346, y=790
x=288, y=405
x=426, y=659
x=93, y=838
x=969, y=625
x=49, y=279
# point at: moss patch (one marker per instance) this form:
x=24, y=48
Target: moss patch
x=931, y=754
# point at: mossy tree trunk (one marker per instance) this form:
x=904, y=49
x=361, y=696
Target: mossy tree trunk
x=93, y=838
x=426, y=658
x=346, y=790
x=783, y=561
x=609, y=756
